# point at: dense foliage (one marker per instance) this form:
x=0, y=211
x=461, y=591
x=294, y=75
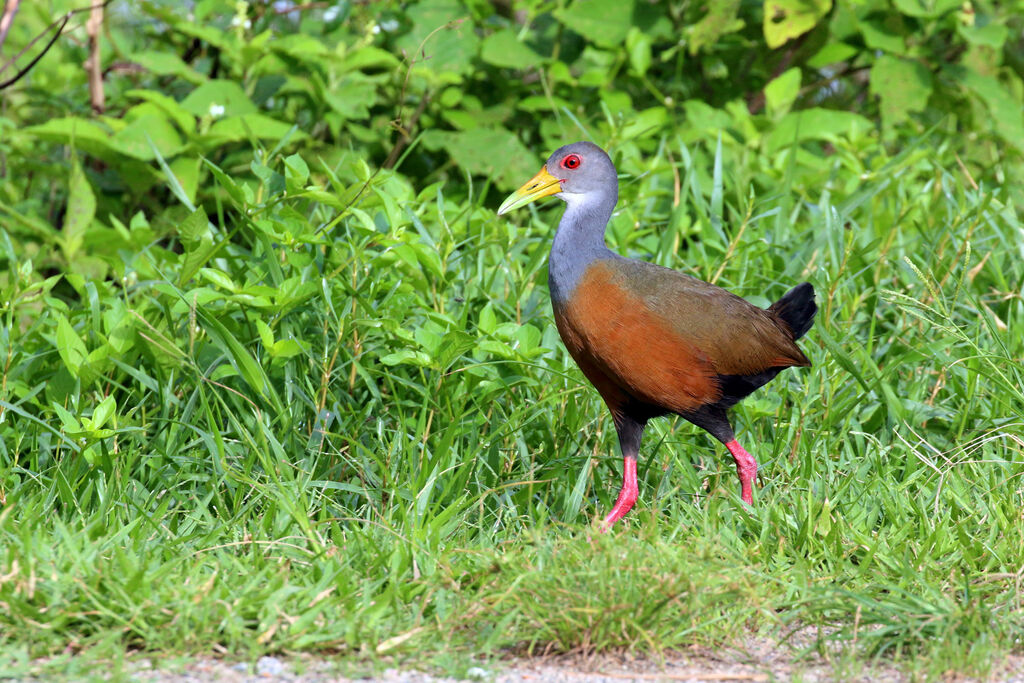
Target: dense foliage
x=275, y=377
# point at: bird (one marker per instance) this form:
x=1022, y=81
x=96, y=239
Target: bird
x=652, y=340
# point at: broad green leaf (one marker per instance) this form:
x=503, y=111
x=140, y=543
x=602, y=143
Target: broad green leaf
x=166, y=63
x=487, y=321
x=266, y=334
x=194, y=227
x=618, y=103
x=87, y=135
x=428, y=339
x=406, y=357
x=134, y=139
x=645, y=124
x=527, y=338
x=184, y=120
x=68, y=421
x=927, y=8
x=503, y=49
x=353, y=97
x=303, y=47
x=442, y=38
x=273, y=182
x=830, y=53
x=638, y=45
x=780, y=93
x=70, y=346
x=824, y=523
x=285, y=348
x=990, y=35
x=218, y=98
x=103, y=412
x=238, y=128
x=887, y=37
x=219, y=278
x=604, y=22
x=496, y=348
x=903, y=85
x=429, y=259
x=705, y=119
x=455, y=343
x=296, y=170
x=368, y=57
x=80, y=211
x=788, y=19
x=119, y=328
x=252, y=48
x=492, y=152
x=816, y=124
x=186, y=170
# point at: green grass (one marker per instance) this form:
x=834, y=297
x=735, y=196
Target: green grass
x=360, y=434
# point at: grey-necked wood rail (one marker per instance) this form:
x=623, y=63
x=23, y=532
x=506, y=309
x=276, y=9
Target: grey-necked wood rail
x=653, y=340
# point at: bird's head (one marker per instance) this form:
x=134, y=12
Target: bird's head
x=573, y=173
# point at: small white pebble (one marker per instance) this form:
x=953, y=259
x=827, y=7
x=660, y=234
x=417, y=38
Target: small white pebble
x=269, y=666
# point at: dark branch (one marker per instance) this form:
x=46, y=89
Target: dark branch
x=58, y=27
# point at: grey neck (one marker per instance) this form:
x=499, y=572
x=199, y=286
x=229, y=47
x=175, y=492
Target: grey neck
x=579, y=241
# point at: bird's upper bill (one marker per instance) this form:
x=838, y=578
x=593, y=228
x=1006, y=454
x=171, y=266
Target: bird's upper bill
x=541, y=185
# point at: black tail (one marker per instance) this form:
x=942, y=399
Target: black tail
x=797, y=308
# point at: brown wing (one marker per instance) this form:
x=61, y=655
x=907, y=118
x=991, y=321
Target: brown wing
x=737, y=337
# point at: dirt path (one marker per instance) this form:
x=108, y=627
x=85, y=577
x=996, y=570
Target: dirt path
x=761, y=665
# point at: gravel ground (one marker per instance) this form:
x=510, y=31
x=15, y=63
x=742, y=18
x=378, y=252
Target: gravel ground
x=760, y=662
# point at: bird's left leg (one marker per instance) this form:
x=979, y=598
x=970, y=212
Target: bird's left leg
x=746, y=467
x=630, y=432
x=713, y=418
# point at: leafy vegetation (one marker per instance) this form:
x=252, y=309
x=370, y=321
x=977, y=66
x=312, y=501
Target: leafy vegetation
x=275, y=378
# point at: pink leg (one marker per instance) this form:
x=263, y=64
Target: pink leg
x=746, y=466
x=627, y=495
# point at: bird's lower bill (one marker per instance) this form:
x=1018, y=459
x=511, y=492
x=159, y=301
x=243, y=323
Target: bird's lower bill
x=541, y=185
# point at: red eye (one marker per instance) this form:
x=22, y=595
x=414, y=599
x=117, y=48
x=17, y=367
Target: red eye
x=572, y=162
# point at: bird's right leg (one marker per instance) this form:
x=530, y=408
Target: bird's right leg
x=630, y=432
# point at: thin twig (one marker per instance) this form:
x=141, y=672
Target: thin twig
x=966, y=173
x=93, y=65
x=406, y=133
x=10, y=9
